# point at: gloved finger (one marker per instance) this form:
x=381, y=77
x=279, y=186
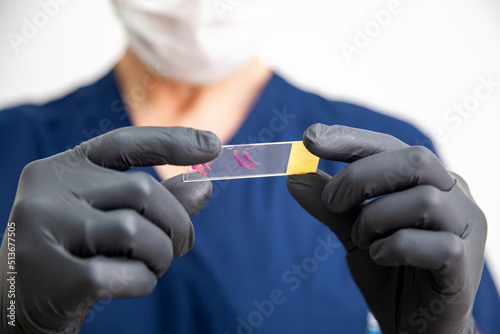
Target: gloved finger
x=343, y=143
x=385, y=173
x=306, y=189
x=124, y=233
x=141, y=192
x=422, y=207
x=118, y=278
x=431, y=250
x=462, y=184
x=124, y=148
x=192, y=195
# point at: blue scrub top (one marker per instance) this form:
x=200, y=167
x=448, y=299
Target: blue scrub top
x=260, y=263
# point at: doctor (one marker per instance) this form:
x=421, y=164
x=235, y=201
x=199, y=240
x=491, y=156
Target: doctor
x=85, y=234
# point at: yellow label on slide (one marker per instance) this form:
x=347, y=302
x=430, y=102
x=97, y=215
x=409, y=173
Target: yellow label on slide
x=301, y=161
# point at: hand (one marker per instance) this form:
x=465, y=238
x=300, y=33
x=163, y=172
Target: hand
x=414, y=236
x=80, y=230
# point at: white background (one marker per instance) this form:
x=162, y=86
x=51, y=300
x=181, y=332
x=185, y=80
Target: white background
x=428, y=57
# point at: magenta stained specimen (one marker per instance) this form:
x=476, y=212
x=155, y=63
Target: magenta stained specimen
x=249, y=158
x=248, y=163
x=201, y=169
x=242, y=163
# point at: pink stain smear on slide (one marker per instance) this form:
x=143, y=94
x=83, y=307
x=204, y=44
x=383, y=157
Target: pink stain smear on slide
x=249, y=158
x=249, y=163
x=242, y=163
x=201, y=169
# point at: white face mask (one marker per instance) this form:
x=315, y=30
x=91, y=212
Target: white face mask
x=194, y=41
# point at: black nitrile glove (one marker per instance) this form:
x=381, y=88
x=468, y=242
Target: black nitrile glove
x=415, y=253
x=81, y=230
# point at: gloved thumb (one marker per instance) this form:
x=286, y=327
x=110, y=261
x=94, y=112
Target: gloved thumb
x=307, y=190
x=192, y=195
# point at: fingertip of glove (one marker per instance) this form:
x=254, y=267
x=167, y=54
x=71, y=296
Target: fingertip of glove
x=310, y=137
x=187, y=245
x=297, y=181
x=209, y=142
x=326, y=198
x=319, y=135
x=201, y=193
x=192, y=195
x=293, y=179
x=375, y=250
x=149, y=285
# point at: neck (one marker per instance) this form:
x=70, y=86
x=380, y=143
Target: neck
x=220, y=107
